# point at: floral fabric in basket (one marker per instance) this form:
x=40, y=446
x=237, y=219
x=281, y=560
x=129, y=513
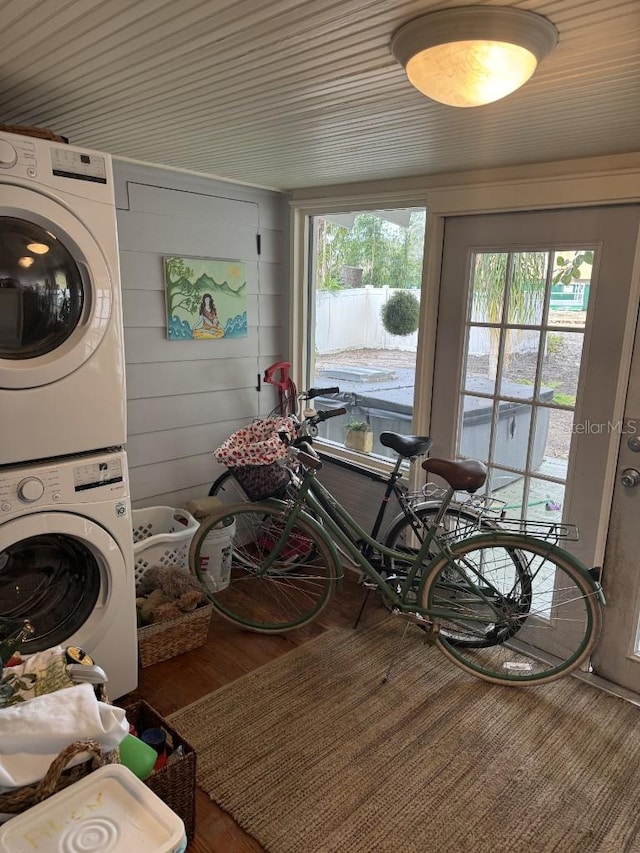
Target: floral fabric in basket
x=259, y=443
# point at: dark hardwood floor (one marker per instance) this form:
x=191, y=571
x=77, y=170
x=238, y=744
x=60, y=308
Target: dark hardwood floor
x=228, y=654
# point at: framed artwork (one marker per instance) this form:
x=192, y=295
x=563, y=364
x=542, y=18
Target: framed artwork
x=206, y=298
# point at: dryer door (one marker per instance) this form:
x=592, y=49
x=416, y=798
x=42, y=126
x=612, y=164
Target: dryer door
x=62, y=572
x=55, y=290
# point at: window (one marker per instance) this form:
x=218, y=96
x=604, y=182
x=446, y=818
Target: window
x=365, y=280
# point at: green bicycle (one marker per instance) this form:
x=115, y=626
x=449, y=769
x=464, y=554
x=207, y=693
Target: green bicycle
x=504, y=605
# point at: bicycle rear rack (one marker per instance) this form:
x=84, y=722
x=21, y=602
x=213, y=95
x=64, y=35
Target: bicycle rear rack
x=473, y=514
x=550, y=531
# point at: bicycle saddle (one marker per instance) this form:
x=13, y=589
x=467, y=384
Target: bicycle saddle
x=406, y=445
x=467, y=475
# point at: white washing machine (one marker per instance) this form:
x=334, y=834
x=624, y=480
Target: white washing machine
x=66, y=559
x=62, y=372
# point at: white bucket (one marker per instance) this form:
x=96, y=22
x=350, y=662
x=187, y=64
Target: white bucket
x=215, y=557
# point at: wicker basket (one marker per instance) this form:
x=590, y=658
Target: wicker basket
x=58, y=777
x=262, y=481
x=163, y=640
x=175, y=783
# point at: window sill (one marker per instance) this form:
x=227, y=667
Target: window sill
x=368, y=465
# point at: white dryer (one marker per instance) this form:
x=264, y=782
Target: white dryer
x=66, y=559
x=62, y=373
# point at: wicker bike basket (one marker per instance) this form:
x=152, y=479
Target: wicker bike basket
x=58, y=776
x=254, y=454
x=262, y=481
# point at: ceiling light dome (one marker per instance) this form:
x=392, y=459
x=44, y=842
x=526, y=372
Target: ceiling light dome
x=472, y=55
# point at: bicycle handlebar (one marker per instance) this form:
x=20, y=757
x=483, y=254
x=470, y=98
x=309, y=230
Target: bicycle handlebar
x=328, y=413
x=321, y=392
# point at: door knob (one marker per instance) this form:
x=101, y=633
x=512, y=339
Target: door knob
x=630, y=478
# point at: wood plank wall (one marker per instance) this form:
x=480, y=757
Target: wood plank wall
x=185, y=397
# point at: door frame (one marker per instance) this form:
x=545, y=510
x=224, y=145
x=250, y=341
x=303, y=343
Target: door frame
x=606, y=180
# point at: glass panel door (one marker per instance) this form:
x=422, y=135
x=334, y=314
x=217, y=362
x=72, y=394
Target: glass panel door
x=524, y=342
x=532, y=360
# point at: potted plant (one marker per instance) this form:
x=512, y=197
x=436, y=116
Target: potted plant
x=359, y=436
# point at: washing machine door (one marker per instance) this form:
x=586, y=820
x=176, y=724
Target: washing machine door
x=63, y=573
x=55, y=290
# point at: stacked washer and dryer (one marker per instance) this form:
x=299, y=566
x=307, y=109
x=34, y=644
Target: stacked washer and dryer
x=66, y=550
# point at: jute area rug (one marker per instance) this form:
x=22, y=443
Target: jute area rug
x=313, y=754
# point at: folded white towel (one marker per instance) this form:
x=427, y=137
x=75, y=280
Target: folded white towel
x=33, y=733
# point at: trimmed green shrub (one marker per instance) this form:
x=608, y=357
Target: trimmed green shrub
x=401, y=314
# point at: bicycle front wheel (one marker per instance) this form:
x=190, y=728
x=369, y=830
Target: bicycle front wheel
x=549, y=638
x=291, y=591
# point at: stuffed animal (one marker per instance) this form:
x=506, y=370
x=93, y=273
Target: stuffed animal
x=166, y=592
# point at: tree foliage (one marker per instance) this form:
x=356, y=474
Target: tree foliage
x=388, y=254
x=181, y=290
x=568, y=269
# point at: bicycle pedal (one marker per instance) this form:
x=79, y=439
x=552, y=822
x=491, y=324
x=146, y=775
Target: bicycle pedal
x=369, y=584
x=419, y=620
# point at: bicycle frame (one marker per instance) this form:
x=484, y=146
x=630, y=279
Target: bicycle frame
x=346, y=538
x=345, y=533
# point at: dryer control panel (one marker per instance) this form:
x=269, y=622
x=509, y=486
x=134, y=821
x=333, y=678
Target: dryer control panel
x=42, y=162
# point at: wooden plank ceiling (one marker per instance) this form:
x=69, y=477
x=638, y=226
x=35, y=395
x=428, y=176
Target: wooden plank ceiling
x=298, y=93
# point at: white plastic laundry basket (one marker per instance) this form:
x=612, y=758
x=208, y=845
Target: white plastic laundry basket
x=161, y=537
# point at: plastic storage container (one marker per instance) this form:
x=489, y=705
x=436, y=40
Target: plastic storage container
x=110, y=811
x=161, y=537
x=215, y=557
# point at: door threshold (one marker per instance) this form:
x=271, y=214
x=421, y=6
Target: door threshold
x=609, y=687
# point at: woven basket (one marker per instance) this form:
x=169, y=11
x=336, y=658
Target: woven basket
x=175, y=783
x=57, y=777
x=163, y=640
x=262, y=481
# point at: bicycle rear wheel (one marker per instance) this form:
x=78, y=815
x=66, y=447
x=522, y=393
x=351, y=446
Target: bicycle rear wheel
x=292, y=591
x=512, y=584
x=462, y=592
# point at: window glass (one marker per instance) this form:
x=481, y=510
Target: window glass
x=365, y=278
x=524, y=347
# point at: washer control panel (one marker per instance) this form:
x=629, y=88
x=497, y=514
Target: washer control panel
x=76, y=481
x=93, y=475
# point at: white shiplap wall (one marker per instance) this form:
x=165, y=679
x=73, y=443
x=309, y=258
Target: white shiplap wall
x=186, y=397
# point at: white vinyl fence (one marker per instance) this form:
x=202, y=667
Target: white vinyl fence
x=349, y=319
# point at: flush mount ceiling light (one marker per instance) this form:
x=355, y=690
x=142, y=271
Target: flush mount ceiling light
x=472, y=55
